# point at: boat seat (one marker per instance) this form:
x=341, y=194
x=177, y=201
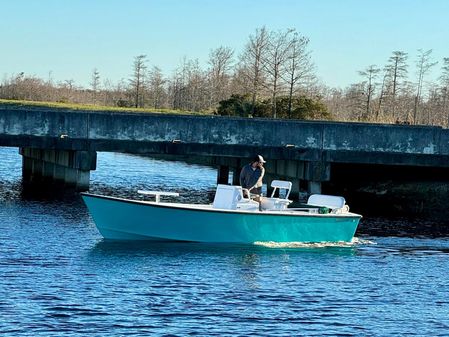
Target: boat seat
x=274, y=204
x=277, y=204
x=231, y=197
x=247, y=204
x=281, y=184
x=227, y=197
x=335, y=203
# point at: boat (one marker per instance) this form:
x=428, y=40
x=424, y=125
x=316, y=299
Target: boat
x=233, y=217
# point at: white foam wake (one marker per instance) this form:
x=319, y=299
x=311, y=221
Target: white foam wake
x=354, y=242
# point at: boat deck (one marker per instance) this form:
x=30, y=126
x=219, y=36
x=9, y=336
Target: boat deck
x=209, y=207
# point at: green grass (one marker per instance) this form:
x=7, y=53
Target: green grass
x=91, y=107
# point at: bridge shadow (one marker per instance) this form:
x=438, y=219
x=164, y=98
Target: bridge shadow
x=47, y=192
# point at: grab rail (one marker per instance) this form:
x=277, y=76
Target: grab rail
x=158, y=194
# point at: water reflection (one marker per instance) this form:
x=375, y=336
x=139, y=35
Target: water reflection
x=247, y=263
x=251, y=252
x=148, y=248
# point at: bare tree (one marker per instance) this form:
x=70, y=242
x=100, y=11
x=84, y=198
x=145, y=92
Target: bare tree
x=156, y=88
x=252, y=62
x=444, y=88
x=188, y=88
x=197, y=88
x=370, y=75
x=397, y=71
x=433, y=106
x=423, y=65
x=334, y=100
x=299, y=66
x=137, y=80
x=355, y=96
x=220, y=61
x=67, y=87
x=383, y=92
x=95, y=84
x=49, y=87
x=274, y=62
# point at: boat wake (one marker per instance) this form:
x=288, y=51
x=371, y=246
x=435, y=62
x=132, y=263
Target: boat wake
x=354, y=242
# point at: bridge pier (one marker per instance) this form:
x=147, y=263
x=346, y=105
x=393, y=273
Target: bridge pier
x=60, y=167
x=223, y=175
x=236, y=175
x=316, y=172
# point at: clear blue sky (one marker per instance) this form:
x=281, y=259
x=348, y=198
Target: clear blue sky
x=70, y=38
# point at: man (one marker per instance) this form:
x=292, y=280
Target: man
x=252, y=174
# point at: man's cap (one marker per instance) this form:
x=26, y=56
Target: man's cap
x=259, y=158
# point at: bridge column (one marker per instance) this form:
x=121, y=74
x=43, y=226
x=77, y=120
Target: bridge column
x=225, y=166
x=315, y=172
x=66, y=167
x=223, y=175
x=291, y=170
x=295, y=187
x=236, y=175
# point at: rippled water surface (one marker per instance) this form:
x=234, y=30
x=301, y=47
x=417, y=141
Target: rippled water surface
x=59, y=278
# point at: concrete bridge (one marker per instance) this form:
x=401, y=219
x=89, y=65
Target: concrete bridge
x=60, y=145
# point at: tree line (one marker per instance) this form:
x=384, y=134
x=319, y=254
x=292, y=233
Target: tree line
x=391, y=94
x=273, y=76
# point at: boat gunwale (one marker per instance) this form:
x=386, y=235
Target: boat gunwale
x=348, y=215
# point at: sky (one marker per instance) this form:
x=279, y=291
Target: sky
x=68, y=39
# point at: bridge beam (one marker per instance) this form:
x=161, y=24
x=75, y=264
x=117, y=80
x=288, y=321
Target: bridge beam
x=59, y=167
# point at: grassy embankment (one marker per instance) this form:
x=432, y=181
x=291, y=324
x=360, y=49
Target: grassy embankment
x=91, y=107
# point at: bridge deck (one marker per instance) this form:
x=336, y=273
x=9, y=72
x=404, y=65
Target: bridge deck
x=150, y=133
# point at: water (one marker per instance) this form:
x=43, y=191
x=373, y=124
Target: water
x=58, y=277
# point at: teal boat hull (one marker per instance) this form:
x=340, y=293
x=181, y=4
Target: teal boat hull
x=123, y=219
